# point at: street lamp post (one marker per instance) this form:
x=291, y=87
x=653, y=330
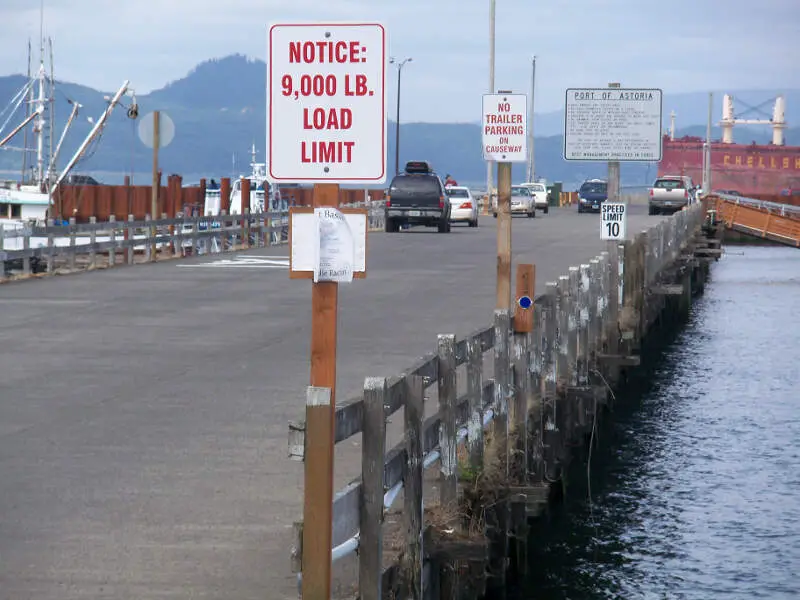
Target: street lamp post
x=399, y=66
x=492, y=20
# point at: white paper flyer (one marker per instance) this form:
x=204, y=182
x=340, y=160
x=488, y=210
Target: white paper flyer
x=335, y=247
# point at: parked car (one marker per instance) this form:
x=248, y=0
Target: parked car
x=591, y=194
x=522, y=201
x=670, y=193
x=540, y=197
x=417, y=197
x=463, y=207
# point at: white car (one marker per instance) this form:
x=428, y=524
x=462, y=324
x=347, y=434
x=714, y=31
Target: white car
x=522, y=201
x=539, y=192
x=463, y=207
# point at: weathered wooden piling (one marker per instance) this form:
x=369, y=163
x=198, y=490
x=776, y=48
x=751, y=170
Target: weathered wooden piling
x=503, y=447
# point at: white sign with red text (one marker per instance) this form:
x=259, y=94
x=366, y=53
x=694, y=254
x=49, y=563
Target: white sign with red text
x=326, y=103
x=505, y=127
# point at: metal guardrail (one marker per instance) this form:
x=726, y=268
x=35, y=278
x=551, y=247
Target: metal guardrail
x=785, y=210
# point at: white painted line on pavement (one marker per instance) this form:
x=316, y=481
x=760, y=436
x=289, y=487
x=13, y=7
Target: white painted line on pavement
x=258, y=262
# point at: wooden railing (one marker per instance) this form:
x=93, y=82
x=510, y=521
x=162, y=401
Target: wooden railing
x=33, y=248
x=525, y=394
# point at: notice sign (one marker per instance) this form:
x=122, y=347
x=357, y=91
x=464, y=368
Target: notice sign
x=334, y=246
x=326, y=105
x=505, y=127
x=318, y=245
x=613, y=220
x=612, y=124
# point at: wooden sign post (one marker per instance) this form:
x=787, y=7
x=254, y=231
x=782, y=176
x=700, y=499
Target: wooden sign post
x=505, y=123
x=318, y=493
x=326, y=110
x=503, y=235
x=321, y=407
x=523, y=306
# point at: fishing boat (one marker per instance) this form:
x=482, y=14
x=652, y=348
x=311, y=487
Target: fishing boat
x=30, y=199
x=261, y=188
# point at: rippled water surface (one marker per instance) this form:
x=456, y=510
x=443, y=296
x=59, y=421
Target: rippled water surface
x=696, y=486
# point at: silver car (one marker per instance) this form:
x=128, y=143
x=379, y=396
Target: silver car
x=463, y=207
x=522, y=202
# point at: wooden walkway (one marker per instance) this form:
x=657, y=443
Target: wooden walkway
x=768, y=220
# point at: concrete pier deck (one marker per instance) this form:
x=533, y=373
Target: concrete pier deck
x=143, y=410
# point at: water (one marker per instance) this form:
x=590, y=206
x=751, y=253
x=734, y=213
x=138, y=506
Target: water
x=696, y=487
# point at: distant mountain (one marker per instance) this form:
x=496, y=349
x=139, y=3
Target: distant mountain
x=218, y=111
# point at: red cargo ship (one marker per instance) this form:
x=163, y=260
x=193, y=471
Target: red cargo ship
x=749, y=169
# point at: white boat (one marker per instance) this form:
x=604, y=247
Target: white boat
x=261, y=188
x=31, y=198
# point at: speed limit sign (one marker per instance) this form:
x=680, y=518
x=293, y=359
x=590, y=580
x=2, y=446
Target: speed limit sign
x=613, y=220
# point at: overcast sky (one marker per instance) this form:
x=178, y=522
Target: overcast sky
x=677, y=45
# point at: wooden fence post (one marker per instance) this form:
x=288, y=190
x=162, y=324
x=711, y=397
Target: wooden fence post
x=584, y=324
x=596, y=305
x=448, y=472
x=150, y=245
x=519, y=417
x=26, y=260
x=165, y=245
x=317, y=522
x=72, y=235
x=370, y=551
x=550, y=357
x=112, y=250
x=92, y=241
x=535, y=395
x=604, y=284
x=475, y=392
x=573, y=309
x=561, y=339
x=643, y=241
x=244, y=209
x=502, y=381
x=51, y=248
x=246, y=227
x=223, y=225
x=2, y=254
x=129, y=237
x=411, y=566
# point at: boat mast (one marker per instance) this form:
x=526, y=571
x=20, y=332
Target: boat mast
x=39, y=125
x=27, y=114
x=52, y=102
x=19, y=128
x=93, y=133
x=74, y=113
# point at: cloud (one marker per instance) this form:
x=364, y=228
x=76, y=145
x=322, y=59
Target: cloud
x=683, y=45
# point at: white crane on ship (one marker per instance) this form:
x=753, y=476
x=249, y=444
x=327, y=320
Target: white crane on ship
x=729, y=119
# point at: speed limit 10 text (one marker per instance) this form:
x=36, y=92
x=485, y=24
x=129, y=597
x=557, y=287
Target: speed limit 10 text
x=613, y=213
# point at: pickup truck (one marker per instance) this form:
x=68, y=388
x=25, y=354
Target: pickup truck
x=670, y=193
x=417, y=197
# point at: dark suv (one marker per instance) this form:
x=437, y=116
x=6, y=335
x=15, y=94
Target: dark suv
x=417, y=197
